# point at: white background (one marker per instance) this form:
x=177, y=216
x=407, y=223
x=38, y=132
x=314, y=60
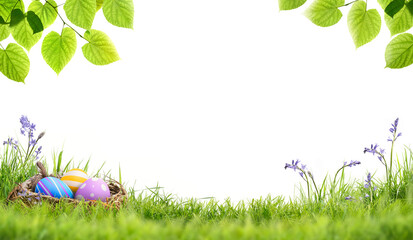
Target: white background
x=212, y=98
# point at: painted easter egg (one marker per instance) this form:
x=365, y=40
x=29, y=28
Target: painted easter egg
x=54, y=187
x=74, y=178
x=93, y=189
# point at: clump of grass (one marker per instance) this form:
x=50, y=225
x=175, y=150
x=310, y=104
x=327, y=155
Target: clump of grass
x=17, y=163
x=390, y=222
x=332, y=191
x=370, y=208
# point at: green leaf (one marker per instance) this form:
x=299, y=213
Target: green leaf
x=100, y=49
x=384, y=3
x=324, y=13
x=23, y=34
x=99, y=4
x=401, y=21
x=290, y=4
x=47, y=12
x=409, y=7
x=399, y=52
x=58, y=50
x=364, y=25
x=14, y=63
x=4, y=31
x=81, y=12
x=119, y=12
x=394, y=7
x=16, y=17
x=6, y=6
x=34, y=22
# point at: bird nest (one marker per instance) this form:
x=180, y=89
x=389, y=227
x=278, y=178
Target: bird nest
x=25, y=192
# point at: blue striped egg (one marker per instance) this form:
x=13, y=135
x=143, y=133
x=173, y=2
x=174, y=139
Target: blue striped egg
x=54, y=187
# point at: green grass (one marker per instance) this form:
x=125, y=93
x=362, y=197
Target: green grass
x=319, y=212
x=391, y=222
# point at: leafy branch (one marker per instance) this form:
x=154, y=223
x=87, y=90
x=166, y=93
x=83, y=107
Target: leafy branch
x=26, y=26
x=364, y=24
x=64, y=22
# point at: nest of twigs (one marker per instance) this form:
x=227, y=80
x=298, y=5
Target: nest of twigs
x=25, y=192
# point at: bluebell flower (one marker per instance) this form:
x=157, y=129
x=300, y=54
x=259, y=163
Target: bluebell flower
x=393, y=130
x=11, y=142
x=381, y=154
x=394, y=125
x=293, y=165
x=32, y=142
x=24, y=121
x=303, y=167
x=368, y=181
x=27, y=127
x=372, y=149
x=37, y=152
x=354, y=163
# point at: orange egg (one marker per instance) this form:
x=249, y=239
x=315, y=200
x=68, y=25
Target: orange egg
x=74, y=178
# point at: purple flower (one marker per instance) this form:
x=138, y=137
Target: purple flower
x=303, y=167
x=348, y=198
x=352, y=163
x=372, y=149
x=24, y=121
x=381, y=154
x=368, y=181
x=11, y=142
x=27, y=127
x=394, y=125
x=38, y=151
x=32, y=142
x=393, y=130
x=293, y=165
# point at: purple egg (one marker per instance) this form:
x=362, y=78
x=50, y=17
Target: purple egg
x=93, y=189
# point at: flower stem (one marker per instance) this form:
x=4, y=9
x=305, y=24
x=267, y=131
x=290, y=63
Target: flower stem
x=371, y=195
x=308, y=184
x=391, y=160
x=334, y=182
x=315, y=186
x=28, y=146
